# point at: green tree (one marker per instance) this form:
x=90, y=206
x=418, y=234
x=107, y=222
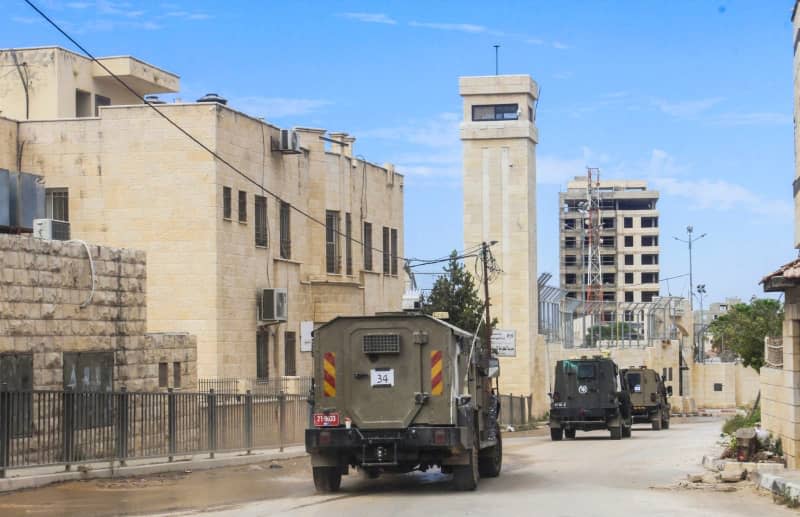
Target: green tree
x=744, y=327
x=455, y=292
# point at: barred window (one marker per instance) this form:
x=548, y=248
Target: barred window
x=57, y=204
x=394, y=251
x=262, y=355
x=332, y=246
x=226, y=202
x=367, y=243
x=261, y=221
x=387, y=252
x=242, y=206
x=289, y=353
x=286, y=233
x=348, y=245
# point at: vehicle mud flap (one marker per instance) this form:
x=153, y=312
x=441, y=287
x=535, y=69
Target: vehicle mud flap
x=490, y=459
x=556, y=433
x=465, y=477
x=657, y=422
x=569, y=433
x=466, y=420
x=615, y=426
x=327, y=479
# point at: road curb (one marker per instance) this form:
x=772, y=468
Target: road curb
x=776, y=484
x=159, y=466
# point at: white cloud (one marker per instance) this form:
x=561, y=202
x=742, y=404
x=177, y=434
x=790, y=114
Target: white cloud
x=753, y=119
x=560, y=46
x=686, y=108
x=277, y=107
x=460, y=27
x=370, y=18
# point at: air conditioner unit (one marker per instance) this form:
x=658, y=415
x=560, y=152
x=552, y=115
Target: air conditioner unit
x=51, y=229
x=289, y=143
x=273, y=304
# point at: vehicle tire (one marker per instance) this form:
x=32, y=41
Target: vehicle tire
x=465, y=477
x=569, y=433
x=657, y=423
x=327, y=479
x=626, y=430
x=665, y=423
x=371, y=473
x=556, y=433
x=490, y=460
x=616, y=432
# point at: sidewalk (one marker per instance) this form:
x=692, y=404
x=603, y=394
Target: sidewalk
x=773, y=477
x=41, y=476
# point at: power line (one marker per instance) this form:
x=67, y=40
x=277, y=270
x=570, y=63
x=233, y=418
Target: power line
x=188, y=134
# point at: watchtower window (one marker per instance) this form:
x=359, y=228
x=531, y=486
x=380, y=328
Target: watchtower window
x=495, y=112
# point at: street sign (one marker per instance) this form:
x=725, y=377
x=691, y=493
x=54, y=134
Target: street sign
x=504, y=342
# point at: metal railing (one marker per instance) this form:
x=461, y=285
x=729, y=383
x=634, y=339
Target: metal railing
x=39, y=428
x=515, y=410
x=241, y=385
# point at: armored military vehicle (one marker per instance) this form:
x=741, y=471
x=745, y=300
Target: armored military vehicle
x=648, y=397
x=400, y=392
x=589, y=394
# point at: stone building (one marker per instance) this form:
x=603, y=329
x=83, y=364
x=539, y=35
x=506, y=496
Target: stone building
x=215, y=239
x=780, y=378
x=75, y=316
x=499, y=138
x=629, y=247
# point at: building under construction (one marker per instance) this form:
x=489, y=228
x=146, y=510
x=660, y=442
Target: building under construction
x=609, y=245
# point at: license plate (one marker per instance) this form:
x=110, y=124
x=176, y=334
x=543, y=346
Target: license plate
x=380, y=377
x=323, y=420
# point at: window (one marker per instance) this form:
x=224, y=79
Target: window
x=289, y=355
x=569, y=224
x=332, y=247
x=649, y=222
x=664, y=374
x=394, y=251
x=608, y=260
x=628, y=296
x=649, y=260
x=176, y=375
x=569, y=260
x=649, y=240
x=609, y=296
x=607, y=223
x=717, y=386
x=629, y=241
x=56, y=203
x=606, y=242
x=83, y=104
x=99, y=101
x=628, y=315
x=286, y=230
x=647, y=296
x=495, y=112
x=90, y=373
x=628, y=222
x=569, y=242
x=386, y=252
x=367, y=240
x=586, y=371
x=628, y=260
x=634, y=379
x=260, y=210
x=226, y=203
x=242, y=206
x=262, y=355
x=670, y=373
x=16, y=371
x=163, y=375
x=570, y=278
x=628, y=278
x=609, y=278
x=649, y=278
x=348, y=244
x=572, y=294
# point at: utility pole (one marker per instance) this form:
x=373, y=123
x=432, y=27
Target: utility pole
x=488, y=329
x=701, y=349
x=690, y=240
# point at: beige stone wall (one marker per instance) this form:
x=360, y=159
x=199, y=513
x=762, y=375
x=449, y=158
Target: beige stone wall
x=47, y=307
x=8, y=144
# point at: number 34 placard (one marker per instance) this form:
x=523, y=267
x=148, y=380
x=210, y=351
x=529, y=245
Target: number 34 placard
x=381, y=377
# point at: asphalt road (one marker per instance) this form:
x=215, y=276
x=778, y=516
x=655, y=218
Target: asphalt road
x=585, y=477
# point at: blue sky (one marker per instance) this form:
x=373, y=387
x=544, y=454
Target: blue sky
x=694, y=96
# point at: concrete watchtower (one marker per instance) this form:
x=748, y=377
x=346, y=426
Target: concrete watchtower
x=499, y=141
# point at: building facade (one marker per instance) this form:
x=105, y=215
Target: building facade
x=629, y=247
x=499, y=138
x=313, y=220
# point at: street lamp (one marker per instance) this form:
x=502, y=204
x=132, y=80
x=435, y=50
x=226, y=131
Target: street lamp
x=701, y=290
x=689, y=240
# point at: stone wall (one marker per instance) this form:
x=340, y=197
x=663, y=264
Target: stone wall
x=48, y=307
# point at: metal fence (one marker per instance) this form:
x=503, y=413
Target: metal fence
x=241, y=385
x=515, y=410
x=40, y=428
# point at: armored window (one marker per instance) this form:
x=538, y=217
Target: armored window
x=381, y=344
x=333, y=257
x=262, y=355
x=289, y=353
x=242, y=206
x=261, y=221
x=348, y=244
x=286, y=230
x=226, y=203
x=634, y=380
x=495, y=112
x=367, y=243
x=586, y=371
x=56, y=204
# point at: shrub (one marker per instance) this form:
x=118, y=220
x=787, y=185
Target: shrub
x=736, y=422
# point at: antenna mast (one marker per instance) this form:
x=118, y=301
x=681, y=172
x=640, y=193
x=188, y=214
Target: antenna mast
x=594, y=286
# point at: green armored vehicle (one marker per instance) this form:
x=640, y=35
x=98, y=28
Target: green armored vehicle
x=589, y=394
x=401, y=392
x=648, y=397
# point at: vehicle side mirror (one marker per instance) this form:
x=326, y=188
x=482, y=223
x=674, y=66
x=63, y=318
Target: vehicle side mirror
x=669, y=390
x=494, y=368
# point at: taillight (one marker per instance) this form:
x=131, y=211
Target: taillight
x=325, y=438
x=439, y=437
